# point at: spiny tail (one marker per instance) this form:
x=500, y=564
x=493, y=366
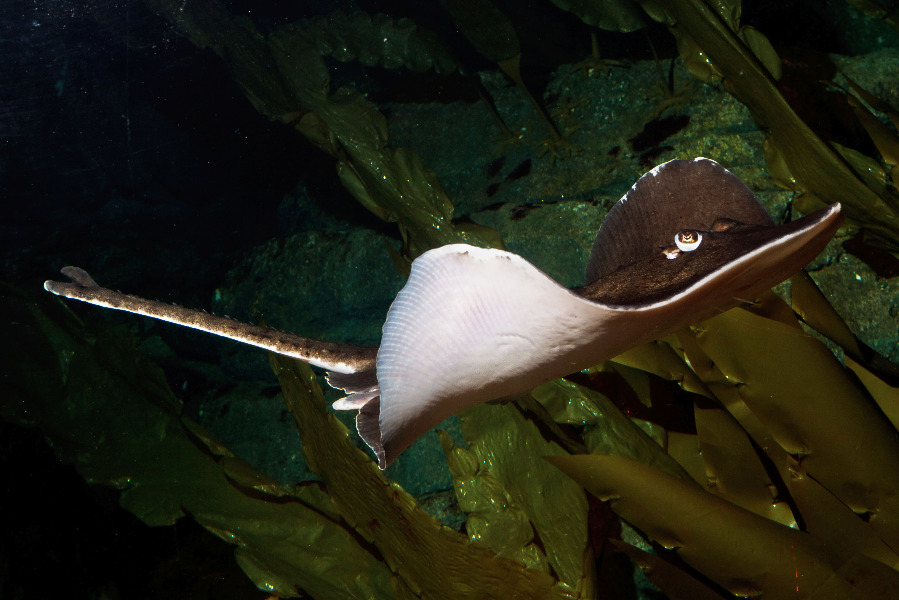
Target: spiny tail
x=338, y=358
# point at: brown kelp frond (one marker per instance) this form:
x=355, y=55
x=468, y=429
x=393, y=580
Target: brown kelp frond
x=411, y=541
x=109, y=413
x=754, y=557
x=788, y=445
x=804, y=408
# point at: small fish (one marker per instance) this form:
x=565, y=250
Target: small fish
x=689, y=240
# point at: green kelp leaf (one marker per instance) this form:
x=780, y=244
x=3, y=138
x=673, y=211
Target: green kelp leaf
x=745, y=553
x=493, y=517
x=727, y=391
x=812, y=307
x=612, y=15
x=399, y=187
x=686, y=449
x=485, y=26
x=509, y=448
x=375, y=40
x=761, y=47
x=815, y=311
x=815, y=166
x=859, y=577
x=116, y=421
x=883, y=137
x=695, y=60
x=608, y=430
x=430, y=560
x=813, y=409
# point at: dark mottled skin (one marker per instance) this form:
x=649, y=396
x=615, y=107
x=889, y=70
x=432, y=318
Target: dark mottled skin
x=84, y=288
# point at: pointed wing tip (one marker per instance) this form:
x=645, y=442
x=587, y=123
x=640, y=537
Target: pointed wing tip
x=830, y=217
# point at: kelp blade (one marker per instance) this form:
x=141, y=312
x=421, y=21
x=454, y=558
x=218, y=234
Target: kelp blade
x=432, y=561
x=745, y=553
x=109, y=412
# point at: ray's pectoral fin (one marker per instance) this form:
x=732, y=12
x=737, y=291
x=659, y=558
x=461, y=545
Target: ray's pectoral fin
x=341, y=359
x=471, y=325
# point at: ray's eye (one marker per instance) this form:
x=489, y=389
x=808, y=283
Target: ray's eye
x=687, y=240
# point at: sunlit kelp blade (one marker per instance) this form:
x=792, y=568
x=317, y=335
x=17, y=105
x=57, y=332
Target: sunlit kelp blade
x=828, y=519
x=117, y=422
x=430, y=560
x=812, y=307
x=733, y=470
x=815, y=311
x=886, y=396
x=659, y=358
x=813, y=409
x=509, y=447
x=745, y=553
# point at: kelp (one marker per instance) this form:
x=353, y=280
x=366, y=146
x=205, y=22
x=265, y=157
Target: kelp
x=493, y=518
x=509, y=447
x=747, y=554
x=431, y=560
x=606, y=429
x=109, y=412
x=820, y=173
x=801, y=467
x=285, y=78
x=376, y=40
x=612, y=15
x=492, y=34
x=800, y=481
x=808, y=406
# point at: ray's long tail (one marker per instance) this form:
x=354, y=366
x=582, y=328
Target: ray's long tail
x=339, y=358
